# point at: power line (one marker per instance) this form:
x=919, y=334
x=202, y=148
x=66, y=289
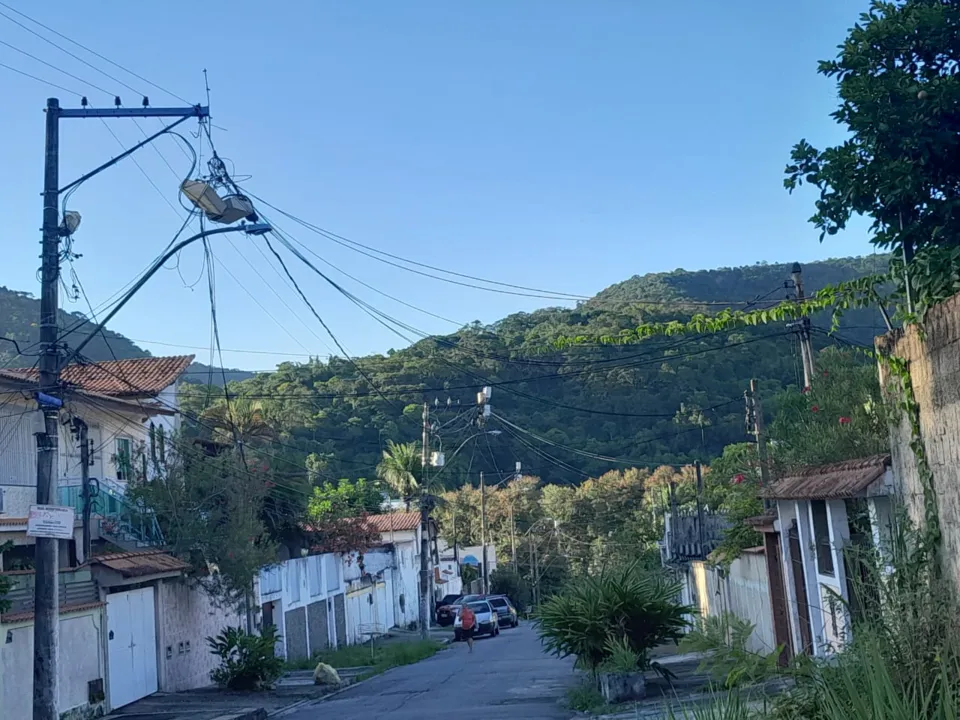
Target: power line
x=93, y=52
x=41, y=80
x=58, y=69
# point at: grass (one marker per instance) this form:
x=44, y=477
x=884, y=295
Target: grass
x=587, y=698
x=384, y=657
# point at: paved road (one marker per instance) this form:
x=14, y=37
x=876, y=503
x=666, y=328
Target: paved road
x=505, y=677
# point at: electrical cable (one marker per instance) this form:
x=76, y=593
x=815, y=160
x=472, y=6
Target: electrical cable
x=92, y=52
x=41, y=80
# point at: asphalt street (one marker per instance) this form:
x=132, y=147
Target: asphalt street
x=506, y=677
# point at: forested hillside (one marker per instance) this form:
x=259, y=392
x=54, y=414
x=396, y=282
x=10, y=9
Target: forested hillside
x=561, y=413
x=20, y=313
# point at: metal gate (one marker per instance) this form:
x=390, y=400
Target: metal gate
x=132, y=646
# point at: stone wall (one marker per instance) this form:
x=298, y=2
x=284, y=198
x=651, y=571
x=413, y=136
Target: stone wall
x=934, y=363
x=340, y=617
x=318, y=623
x=295, y=633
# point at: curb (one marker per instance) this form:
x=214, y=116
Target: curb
x=248, y=714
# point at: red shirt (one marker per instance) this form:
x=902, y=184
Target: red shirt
x=467, y=618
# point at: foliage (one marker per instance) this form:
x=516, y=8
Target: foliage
x=6, y=584
x=898, y=91
x=247, y=662
x=621, y=657
x=210, y=512
x=730, y=706
x=732, y=487
x=625, y=601
x=506, y=580
x=401, y=470
x=468, y=573
x=724, y=640
x=842, y=417
x=336, y=513
x=586, y=698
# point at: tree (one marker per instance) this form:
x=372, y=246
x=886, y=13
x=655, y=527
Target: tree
x=240, y=419
x=842, y=417
x=336, y=516
x=401, y=470
x=899, y=93
x=5, y=583
x=209, y=509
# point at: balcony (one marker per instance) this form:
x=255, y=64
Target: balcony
x=117, y=519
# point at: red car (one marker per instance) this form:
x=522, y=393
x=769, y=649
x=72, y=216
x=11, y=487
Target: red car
x=447, y=609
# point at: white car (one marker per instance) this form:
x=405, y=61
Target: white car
x=487, y=621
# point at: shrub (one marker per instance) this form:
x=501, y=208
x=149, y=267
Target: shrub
x=247, y=662
x=626, y=602
x=586, y=698
x=724, y=639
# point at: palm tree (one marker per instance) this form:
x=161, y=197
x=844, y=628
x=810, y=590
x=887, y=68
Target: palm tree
x=402, y=470
x=241, y=417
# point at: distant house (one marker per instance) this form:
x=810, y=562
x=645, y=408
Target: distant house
x=821, y=513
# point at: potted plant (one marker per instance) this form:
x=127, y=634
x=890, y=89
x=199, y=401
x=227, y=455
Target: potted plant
x=611, y=621
x=621, y=676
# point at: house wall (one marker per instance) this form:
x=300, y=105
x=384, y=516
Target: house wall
x=18, y=460
x=934, y=363
x=743, y=591
x=81, y=661
x=186, y=616
x=301, y=591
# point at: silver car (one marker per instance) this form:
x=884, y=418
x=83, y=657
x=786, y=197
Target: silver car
x=488, y=623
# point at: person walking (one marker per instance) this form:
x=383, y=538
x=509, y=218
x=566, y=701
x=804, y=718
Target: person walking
x=468, y=626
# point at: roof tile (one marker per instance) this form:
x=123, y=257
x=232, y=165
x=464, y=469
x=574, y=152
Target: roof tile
x=395, y=522
x=828, y=482
x=135, y=377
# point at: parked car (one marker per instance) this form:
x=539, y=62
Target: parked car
x=447, y=609
x=506, y=612
x=488, y=622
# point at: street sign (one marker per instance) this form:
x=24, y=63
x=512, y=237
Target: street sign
x=50, y=521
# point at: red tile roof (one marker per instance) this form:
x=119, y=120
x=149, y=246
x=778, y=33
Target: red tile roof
x=827, y=482
x=395, y=522
x=140, y=564
x=136, y=377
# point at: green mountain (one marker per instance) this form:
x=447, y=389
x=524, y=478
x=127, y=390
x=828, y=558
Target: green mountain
x=19, y=317
x=562, y=413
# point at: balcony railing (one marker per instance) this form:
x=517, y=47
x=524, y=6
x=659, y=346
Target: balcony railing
x=119, y=520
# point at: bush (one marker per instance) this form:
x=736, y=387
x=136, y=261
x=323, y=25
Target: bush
x=586, y=698
x=247, y=662
x=724, y=639
x=627, y=602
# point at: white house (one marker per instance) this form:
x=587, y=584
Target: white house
x=821, y=513
x=304, y=598
x=131, y=622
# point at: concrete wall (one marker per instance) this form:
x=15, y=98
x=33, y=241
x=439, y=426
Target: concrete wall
x=18, y=461
x=743, y=592
x=186, y=617
x=300, y=590
x=81, y=661
x=934, y=363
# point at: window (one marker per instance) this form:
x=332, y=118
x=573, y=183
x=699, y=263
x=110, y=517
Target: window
x=821, y=537
x=123, y=459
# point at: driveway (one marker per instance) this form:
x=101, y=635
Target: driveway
x=505, y=677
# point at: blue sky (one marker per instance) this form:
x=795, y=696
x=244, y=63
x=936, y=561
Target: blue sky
x=562, y=144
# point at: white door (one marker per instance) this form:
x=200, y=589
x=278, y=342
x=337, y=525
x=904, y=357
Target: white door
x=132, y=646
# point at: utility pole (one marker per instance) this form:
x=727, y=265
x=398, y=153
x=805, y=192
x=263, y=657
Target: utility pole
x=700, y=535
x=46, y=557
x=806, y=346
x=513, y=526
x=755, y=427
x=483, y=533
x=424, y=527
x=83, y=435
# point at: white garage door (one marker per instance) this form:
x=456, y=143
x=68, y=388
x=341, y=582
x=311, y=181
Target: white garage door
x=132, y=642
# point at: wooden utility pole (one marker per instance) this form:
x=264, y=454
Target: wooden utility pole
x=483, y=534
x=806, y=346
x=700, y=534
x=756, y=411
x=424, y=614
